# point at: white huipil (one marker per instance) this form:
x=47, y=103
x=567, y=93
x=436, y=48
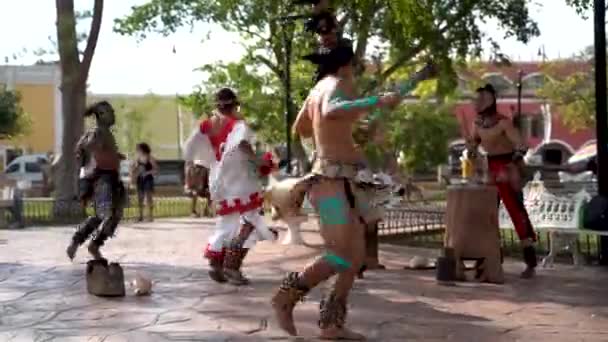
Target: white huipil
x=234, y=185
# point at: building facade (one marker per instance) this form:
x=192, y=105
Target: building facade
x=39, y=86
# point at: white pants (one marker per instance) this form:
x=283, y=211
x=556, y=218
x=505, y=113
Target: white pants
x=228, y=227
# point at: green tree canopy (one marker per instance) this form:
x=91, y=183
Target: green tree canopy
x=13, y=120
x=572, y=89
x=392, y=36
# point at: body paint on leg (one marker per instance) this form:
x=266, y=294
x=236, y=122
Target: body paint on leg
x=339, y=263
x=333, y=211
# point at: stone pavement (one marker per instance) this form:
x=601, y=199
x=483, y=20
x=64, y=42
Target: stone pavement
x=43, y=295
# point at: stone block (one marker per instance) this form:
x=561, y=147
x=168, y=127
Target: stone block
x=105, y=280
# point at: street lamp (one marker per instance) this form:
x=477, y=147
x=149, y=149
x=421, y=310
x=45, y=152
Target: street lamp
x=287, y=24
x=518, y=119
x=520, y=75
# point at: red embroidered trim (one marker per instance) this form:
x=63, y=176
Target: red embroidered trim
x=220, y=138
x=209, y=254
x=267, y=168
x=256, y=200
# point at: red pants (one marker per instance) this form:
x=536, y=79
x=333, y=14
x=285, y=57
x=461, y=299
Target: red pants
x=512, y=199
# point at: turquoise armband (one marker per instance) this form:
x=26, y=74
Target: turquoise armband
x=363, y=103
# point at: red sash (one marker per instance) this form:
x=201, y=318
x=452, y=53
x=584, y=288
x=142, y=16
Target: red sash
x=220, y=138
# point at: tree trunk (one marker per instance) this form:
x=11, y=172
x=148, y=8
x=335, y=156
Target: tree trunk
x=74, y=75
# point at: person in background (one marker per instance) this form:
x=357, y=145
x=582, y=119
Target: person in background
x=144, y=170
x=506, y=149
x=197, y=185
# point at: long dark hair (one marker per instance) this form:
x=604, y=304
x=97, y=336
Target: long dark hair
x=226, y=101
x=329, y=61
x=145, y=148
x=96, y=108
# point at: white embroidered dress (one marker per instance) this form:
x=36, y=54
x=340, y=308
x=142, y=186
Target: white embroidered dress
x=234, y=185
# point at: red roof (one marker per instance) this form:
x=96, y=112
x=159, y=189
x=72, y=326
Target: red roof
x=556, y=68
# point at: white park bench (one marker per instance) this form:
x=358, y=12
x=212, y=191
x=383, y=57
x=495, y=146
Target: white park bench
x=560, y=210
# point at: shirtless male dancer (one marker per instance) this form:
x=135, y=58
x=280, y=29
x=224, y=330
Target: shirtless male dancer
x=223, y=143
x=506, y=149
x=108, y=193
x=325, y=25
x=329, y=114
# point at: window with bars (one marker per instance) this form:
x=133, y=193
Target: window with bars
x=533, y=125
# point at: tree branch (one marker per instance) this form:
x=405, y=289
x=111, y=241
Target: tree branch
x=87, y=57
x=363, y=32
x=273, y=67
x=401, y=60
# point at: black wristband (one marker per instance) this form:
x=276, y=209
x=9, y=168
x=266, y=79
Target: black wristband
x=519, y=155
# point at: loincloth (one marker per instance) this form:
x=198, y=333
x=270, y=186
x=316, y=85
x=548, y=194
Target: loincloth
x=110, y=195
x=352, y=181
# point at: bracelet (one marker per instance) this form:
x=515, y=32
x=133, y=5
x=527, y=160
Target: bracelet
x=359, y=103
x=519, y=155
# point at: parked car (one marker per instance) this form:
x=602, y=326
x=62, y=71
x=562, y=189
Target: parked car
x=27, y=168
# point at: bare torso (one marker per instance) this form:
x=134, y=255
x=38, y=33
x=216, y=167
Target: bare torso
x=100, y=142
x=333, y=137
x=493, y=136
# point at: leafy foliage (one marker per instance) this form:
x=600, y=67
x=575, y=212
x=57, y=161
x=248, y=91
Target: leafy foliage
x=13, y=120
x=583, y=7
x=574, y=93
x=421, y=131
x=395, y=36
x=131, y=118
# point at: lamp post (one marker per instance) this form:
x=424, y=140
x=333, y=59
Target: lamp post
x=518, y=120
x=600, y=96
x=520, y=75
x=287, y=23
x=600, y=116
x=178, y=114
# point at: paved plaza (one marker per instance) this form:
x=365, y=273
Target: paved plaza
x=43, y=295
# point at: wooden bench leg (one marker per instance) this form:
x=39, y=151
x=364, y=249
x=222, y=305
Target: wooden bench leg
x=372, y=261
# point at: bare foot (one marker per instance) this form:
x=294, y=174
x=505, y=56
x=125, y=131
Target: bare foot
x=71, y=250
x=283, y=309
x=335, y=334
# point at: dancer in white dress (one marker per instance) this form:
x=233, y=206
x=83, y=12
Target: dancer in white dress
x=223, y=143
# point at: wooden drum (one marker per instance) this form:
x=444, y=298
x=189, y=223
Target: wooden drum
x=472, y=229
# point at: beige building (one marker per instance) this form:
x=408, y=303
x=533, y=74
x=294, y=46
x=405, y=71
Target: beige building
x=41, y=100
